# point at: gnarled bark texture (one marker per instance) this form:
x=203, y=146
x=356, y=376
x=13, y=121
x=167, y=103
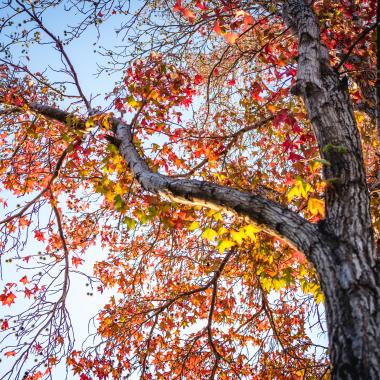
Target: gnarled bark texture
x=347, y=263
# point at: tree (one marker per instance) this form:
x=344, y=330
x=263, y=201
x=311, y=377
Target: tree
x=232, y=175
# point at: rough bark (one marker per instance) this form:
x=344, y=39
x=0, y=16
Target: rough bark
x=347, y=267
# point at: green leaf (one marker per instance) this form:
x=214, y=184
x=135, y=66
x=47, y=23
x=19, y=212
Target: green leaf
x=118, y=203
x=131, y=223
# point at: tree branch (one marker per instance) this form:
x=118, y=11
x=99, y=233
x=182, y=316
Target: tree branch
x=270, y=216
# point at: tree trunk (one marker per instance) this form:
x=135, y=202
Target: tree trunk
x=352, y=303
x=346, y=262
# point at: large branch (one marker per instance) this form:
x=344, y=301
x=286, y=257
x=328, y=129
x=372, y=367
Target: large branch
x=272, y=217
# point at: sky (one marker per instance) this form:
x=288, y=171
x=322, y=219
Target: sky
x=81, y=52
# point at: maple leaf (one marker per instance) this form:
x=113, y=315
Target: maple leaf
x=209, y=234
x=201, y=5
x=28, y=293
x=225, y=244
x=39, y=235
x=5, y=325
x=9, y=354
x=187, y=13
x=7, y=298
x=218, y=29
x=24, y=280
x=198, y=79
x=24, y=222
x=231, y=37
x=316, y=206
x=76, y=261
x=294, y=156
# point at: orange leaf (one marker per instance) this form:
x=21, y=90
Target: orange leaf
x=188, y=14
x=7, y=298
x=10, y=353
x=231, y=37
x=24, y=222
x=77, y=261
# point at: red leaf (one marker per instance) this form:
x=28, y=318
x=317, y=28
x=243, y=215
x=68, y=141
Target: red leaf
x=248, y=20
x=119, y=105
x=24, y=280
x=217, y=28
x=294, y=156
x=5, y=325
x=7, y=298
x=198, y=79
x=200, y=5
x=39, y=235
x=10, y=353
x=28, y=293
x=178, y=6
x=187, y=13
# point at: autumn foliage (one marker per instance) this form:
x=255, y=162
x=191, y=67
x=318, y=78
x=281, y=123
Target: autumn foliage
x=195, y=292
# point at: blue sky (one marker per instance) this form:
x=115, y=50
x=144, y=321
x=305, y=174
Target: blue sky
x=81, y=53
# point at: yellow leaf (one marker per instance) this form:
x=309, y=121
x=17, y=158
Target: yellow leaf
x=293, y=192
x=106, y=123
x=193, y=226
x=89, y=123
x=301, y=189
x=251, y=230
x=217, y=216
x=316, y=206
x=154, y=94
x=225, y=244
x=209, y=234
x=222, y=230
x=238, y=236
x=132, y=102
